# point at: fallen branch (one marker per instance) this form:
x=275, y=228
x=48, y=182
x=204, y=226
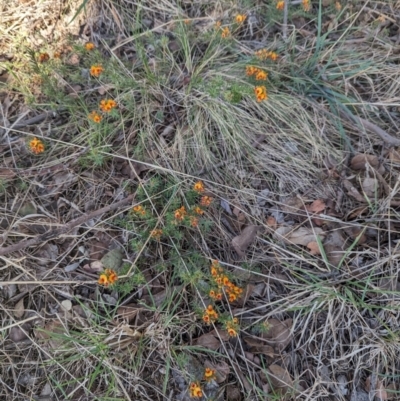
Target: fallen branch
x=52, y=234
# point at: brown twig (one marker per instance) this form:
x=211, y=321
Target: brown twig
x=64, y=229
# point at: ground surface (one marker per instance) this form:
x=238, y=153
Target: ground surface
x=255, y=239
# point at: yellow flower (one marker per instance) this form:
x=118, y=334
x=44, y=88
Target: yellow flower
x=89, y=46
x=43, y=57
x=36, y=146
x=103, y=280
x=198, y=210
x=261, y=75
x=107, y=105
x=209, y=374
x=180, y=213
x=95, y=116
x=280, y=5
x=199, y=186
x=96, y=70
x=225, y=33
x=261, y=93
x=194, y=221
x=209, y=315
x=195, y=390
x=306, y=5
x=240, y=18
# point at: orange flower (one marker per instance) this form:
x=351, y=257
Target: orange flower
x=95, y=116
x=109, y=276
x=96, y=70
x=180, y=213
x=273, y=56
x=206, y=319
x=240, y=18
x=338, y=6
x=89, y=46
x=261, y=75
x=280, y=5
x=198, y=210
x=210, y=315
x=57, y=55
x=251, y=70
x=43, y=57
x=36, y=146
x=232, y=332
x=209, y=374
x=199, y=186
x=306, y=5
x=261, y=93
x=139, y=209
x=107, y=105
x=156, y=234
x=103, y=280
x=194, y=221
x=225, y=33
x=206, y=201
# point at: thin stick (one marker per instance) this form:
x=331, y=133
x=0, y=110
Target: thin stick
x=285, y=18
x=64, y=229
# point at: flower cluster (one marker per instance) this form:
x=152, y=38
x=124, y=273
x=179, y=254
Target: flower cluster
x=223, y=284
x=280, y=5
x=36, y=146
x=108, y=277
x=195, y=390
x=107, y=105
x=232, y=327
x=240, y=18
x=225, y=33
x=209, y=315
x=261, y=93
x=96, y=70
x=264, y=54
x=206, y=201
x=180, y=213
x=156, y=233
x=43, y=57
x=95, y=117
x=89, y=46
x=198, y=187
x=139, y=209
x=259, y=74
x=209, y=374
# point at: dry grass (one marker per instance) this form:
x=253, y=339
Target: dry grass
x=174, y=79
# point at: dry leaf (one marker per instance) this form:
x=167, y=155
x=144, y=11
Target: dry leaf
x=299, y=236
x=128, y=312
x=394, y=155
x=314, y=248
x=17, y=333
x=379, y=392
x=208, y=340
x=279, y=333
x=370, y=186
x=317, y=206
x=241, y=242
x=220, y=334
x=292, y=205
x=19, y=308
x=271, y=222
x=360, y=161
x=233, y=393
x=333, y=247
x=257, y=346
x=280, y=381
x=353, y=191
